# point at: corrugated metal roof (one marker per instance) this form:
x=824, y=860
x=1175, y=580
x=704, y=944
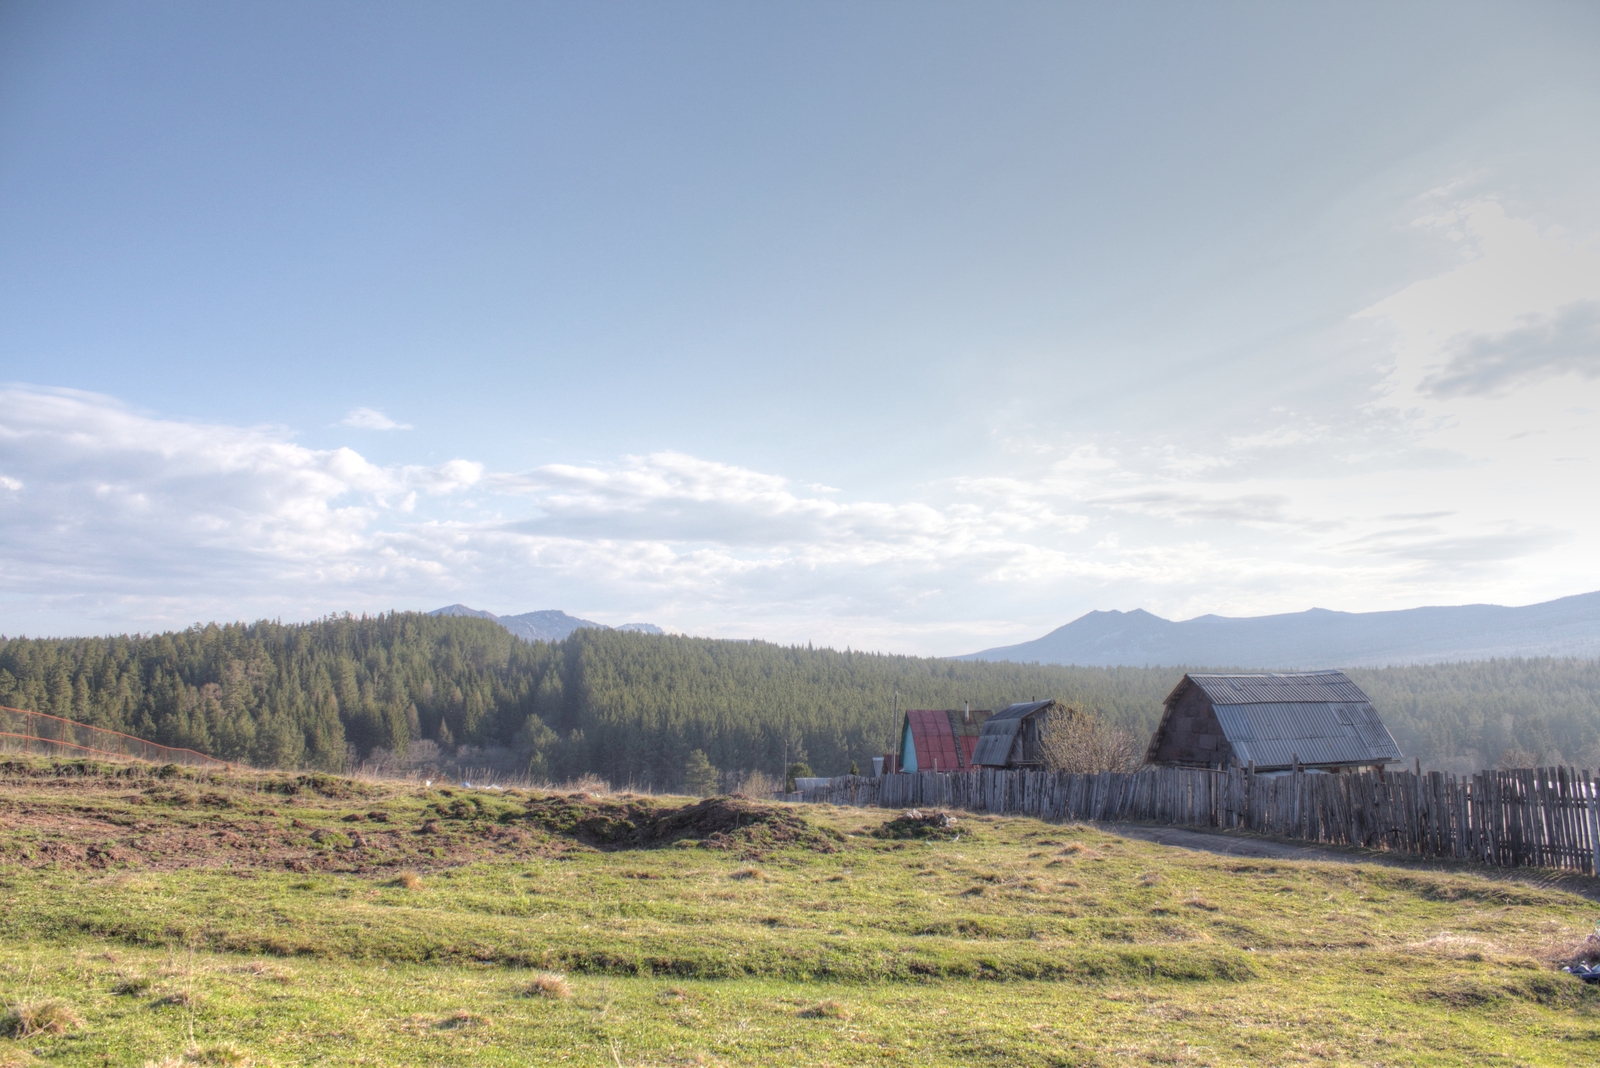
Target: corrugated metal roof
x=1020, y=710
x=1306, y=686
x=934, y=739
x=994, y=744
x=1275, y=735
x=1317, y=717
x=1000, y=731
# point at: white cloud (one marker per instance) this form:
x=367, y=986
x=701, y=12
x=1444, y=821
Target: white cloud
x=1465, y=480
x=371, y=419
x=115, y=500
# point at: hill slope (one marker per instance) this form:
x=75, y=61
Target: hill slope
x=1319, y=638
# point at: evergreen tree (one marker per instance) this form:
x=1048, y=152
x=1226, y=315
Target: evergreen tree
x=798, y=770
x=699, y=777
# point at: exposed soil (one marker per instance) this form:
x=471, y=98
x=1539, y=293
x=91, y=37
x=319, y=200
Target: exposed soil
x=1240, y=844
x=748, y=828
x=920, y=823
x=92, y=815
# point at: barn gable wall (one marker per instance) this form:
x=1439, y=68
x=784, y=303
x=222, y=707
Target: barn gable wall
x=1190, y=734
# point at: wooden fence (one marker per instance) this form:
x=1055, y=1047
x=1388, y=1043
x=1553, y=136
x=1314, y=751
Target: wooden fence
x=1546, y=817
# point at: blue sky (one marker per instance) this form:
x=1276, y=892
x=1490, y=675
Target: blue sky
x=921, y=327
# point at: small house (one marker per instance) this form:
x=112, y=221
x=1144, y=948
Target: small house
x=1010, y=738
x=937, y=739
x=1273, y=722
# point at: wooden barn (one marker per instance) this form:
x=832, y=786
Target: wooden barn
x=1273, y=722
x=1010, y=739
x=937, y=739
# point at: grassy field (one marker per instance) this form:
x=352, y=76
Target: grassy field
x=279, y=919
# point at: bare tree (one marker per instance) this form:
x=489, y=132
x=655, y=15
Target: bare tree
x=1082, y=742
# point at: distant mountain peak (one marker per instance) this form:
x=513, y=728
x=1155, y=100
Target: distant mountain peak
x=462, y=610
x=545, y=625
x=1319, y=637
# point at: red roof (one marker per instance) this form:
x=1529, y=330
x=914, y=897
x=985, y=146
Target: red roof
x=941, y=740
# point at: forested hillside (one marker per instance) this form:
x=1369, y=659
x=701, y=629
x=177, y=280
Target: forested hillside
x=631, y=707
x=626, y=706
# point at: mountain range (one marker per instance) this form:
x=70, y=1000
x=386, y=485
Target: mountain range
x=1319, y=638
x=550, y=625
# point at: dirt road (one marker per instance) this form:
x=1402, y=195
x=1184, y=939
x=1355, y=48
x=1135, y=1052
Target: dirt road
x=1249, y=845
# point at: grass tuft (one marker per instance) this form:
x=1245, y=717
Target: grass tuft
x=826, y=1010
x=225, y=1054
x=408, y=880
x=54, y=1016
x=548, y=985
x=749, y=873
x=460, y=1020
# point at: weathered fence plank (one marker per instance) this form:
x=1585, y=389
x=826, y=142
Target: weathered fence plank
x=1539, y=816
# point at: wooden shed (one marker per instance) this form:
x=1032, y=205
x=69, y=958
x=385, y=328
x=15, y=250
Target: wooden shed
x=1010, y=739
x=937, y=739
x=1313, y=719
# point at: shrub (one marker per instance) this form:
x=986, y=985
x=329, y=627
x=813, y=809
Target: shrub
x=1082, y=743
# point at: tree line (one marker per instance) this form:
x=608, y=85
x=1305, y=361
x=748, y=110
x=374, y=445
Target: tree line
x=633, y=707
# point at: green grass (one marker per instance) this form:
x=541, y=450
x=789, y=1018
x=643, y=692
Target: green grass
x=1019, y=943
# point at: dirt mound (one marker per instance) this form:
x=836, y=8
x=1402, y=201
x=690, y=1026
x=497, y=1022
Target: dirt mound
x=745, y=827
x=916, y=823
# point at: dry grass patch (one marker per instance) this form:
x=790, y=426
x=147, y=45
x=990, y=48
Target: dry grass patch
x=53, y=1016
x=132, y=985
x=460, y=1020
x=548, y=985
x=408, y=880
x=755, y=874
x=263, y=970
x=825, y=1010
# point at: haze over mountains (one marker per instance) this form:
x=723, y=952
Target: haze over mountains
x=1319, y=638
x=550, y=625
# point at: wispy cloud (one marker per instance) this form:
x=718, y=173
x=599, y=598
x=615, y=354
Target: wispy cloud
x=1563, y=341
x=371, y=419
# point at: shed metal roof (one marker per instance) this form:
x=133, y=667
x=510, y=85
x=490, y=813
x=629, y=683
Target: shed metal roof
x=1020, y=710
x=994, y=744
x=1000, y=732
x=1316, y=686
x=935, y=743
x=1276, y=735
x=1315, y=717
x=942, y=738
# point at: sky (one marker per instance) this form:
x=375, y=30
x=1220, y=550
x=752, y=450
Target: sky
x=920, y=327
